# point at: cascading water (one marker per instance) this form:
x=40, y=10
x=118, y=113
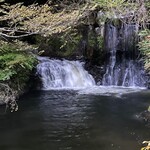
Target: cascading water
x=123, y=67
x=63, y=74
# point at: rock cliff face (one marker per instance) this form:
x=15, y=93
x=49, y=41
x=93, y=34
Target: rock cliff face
x=123, y=65
x=109, y=49
x=85, y=42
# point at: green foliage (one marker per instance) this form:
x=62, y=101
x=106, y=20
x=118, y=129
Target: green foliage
x=94, y=40
x=38, y=19
x=147, y=4
x=15, y=47
x=144, y=46
x=60, y=45
x=126, y=10
x=6, y=74
x=15, y=64
x=69, y=43
x=100, y=41
x=144, y=33
x=11, y=63
x=91, y=39
x=109, y=3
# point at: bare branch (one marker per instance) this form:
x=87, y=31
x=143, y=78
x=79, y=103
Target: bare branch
x=19, y=36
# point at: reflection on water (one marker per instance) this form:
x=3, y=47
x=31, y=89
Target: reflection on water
x=67, y=120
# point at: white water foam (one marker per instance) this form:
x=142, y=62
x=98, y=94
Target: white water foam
x=70, y=75
x=63, y=74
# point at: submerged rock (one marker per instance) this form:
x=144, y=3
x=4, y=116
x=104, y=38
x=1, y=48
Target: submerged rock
x=145, y=116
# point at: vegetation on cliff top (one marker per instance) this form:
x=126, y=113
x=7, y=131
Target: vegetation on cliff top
x=43, y=19
x=18, y=20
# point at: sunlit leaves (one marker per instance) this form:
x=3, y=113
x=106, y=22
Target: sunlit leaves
x=146, y=147
x=39, y=18
x=133, y=11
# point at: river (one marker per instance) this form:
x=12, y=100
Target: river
x=76, y=120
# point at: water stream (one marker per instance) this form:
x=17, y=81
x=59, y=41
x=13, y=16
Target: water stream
x=123, y=66
x=56, y=73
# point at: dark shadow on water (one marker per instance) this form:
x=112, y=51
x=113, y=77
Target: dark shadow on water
x=64, y=120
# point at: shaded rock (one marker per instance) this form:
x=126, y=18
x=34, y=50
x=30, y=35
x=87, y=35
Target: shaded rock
x=96, y=71
x=145, y=116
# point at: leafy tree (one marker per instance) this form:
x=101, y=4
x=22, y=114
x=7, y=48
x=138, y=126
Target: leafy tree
x=46, y=19
x=16, y=64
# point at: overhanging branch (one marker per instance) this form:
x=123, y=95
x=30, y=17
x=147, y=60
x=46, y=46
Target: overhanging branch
x=19, y=36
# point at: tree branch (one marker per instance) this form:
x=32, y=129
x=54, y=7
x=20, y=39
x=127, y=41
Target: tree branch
x=19, y=36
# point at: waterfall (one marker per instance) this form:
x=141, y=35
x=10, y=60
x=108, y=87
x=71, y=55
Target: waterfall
x=63, y=74
x=123, y=67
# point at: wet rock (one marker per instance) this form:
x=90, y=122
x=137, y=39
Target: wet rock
x=96, y=71
x=145, y=116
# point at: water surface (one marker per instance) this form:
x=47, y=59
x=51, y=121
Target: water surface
x=73, y=120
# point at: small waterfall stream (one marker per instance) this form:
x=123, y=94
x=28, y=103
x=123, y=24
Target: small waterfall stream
x=122, y=67
x=63, y=74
